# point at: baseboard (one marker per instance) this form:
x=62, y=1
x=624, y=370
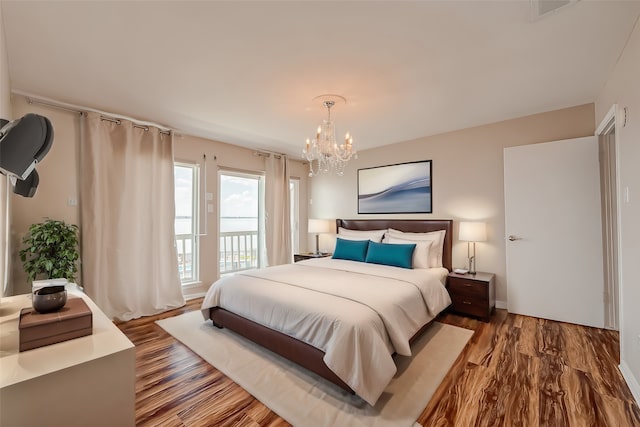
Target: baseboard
x=501, y=304
x=632, y=382
x=193, y=290
x=188, y=297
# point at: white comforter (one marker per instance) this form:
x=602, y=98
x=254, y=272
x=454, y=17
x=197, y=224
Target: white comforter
x=357, y=313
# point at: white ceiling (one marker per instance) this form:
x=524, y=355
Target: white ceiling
x=246, y=72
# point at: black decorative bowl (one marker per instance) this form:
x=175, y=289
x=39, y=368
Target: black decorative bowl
x=49, y=299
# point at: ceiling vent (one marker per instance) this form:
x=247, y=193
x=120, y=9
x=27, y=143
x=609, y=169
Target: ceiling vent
x=542, y=8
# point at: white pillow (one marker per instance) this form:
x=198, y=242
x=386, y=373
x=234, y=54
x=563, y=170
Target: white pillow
x=421, y=252
x=437, y=247
x=347, y=237
x=373, y=235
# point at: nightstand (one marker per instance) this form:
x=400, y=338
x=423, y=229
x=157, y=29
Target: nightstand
x=105, y=357
x=309, y=255
x=472, y=294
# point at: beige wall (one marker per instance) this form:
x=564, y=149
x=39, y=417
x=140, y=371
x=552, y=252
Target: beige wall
x=467, y=177
x=59, y=183
x=5, y=113
x=623, y=89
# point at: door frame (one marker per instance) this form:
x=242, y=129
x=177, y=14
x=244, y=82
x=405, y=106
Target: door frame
x=607, y=126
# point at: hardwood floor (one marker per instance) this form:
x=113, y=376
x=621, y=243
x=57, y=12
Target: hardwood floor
x=515, y=371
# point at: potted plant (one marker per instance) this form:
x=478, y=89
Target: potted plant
x=51, y=250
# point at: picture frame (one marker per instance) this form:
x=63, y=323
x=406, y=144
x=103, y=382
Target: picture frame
x=396, y=189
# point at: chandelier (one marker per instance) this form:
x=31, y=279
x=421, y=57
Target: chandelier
x=324, y=153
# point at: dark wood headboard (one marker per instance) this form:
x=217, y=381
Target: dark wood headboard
x=407, y=225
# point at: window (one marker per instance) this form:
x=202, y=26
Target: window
x=241, y=221
x=186, y=178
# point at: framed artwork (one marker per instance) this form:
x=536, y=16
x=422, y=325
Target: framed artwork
x=394, y=189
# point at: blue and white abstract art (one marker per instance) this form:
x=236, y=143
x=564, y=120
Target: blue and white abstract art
x=401, y=188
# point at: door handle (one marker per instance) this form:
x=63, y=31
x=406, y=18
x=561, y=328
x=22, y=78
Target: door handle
x=513, y=238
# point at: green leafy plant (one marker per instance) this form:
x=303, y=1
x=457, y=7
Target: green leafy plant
x=51, y=250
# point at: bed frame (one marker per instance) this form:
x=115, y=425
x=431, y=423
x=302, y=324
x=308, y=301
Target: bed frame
x=302, y=353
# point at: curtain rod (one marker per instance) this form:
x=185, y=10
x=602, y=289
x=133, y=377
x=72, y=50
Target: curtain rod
x=135, y=125
x=267, y=154
x=48, y=104
x=115, y=118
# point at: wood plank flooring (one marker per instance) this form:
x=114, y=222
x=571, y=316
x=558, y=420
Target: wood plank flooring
x=515, y=371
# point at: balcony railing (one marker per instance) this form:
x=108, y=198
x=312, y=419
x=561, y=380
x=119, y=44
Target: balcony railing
x=239, y=250
x=185, y=247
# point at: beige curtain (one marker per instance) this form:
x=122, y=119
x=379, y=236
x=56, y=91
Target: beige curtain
x=277, y=210
x=129, y=260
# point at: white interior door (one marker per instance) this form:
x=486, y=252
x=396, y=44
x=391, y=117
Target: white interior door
x=554, y=233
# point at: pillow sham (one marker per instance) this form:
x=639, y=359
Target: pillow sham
x=373, y=235
x=353, y=250
x=420, y=254
x=396, y=255
x=437, y=248
x=345, y=237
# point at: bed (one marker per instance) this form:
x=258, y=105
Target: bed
x=340, y=318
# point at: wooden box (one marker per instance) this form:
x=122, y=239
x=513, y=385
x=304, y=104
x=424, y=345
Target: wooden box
x=74, y=320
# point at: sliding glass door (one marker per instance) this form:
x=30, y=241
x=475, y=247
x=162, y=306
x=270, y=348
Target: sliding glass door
x=241, y=221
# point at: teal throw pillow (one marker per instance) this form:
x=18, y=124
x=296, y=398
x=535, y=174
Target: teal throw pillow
x=353, y=250
x=391, y=254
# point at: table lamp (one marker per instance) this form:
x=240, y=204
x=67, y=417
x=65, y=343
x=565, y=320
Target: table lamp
x=318, y=226
x=472, y=232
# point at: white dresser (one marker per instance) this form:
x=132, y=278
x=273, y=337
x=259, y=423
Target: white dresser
x=87, y=381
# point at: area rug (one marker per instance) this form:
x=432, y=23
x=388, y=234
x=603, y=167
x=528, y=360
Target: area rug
x=303, y=398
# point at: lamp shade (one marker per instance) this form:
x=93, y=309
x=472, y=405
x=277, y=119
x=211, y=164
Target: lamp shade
x=473, y=231
x=319, y=226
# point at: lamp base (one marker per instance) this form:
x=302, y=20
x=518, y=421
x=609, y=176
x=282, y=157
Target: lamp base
x=317, y=252
x=472, y=261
